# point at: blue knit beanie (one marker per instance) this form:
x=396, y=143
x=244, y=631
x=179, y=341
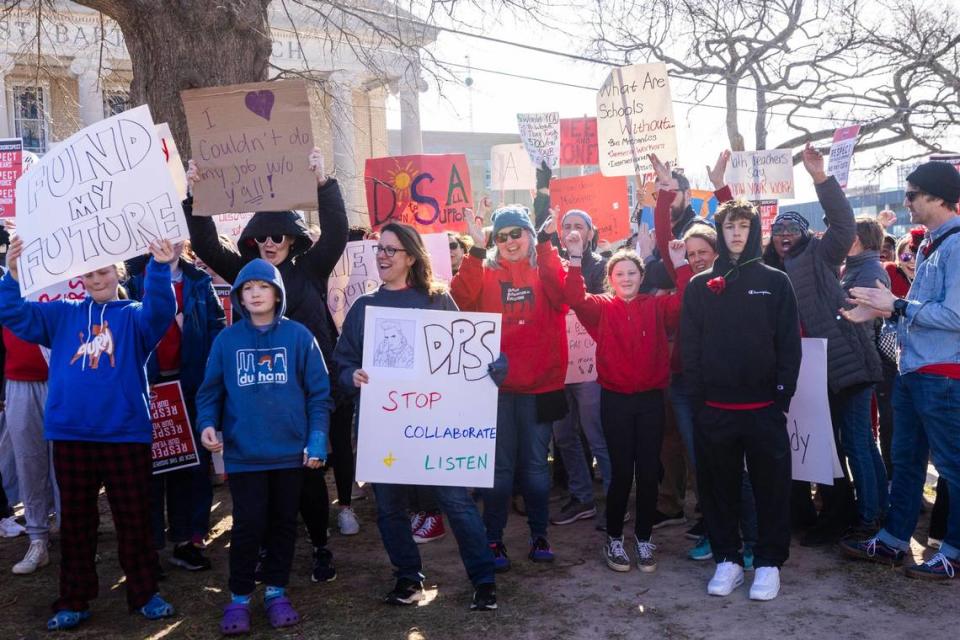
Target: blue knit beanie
x=513, y=215
x=793, y=216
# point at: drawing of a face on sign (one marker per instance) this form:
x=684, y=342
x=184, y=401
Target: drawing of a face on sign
x=395, y=344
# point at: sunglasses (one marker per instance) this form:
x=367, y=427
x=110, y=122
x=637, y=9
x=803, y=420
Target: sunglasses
x=388, y=251
x=454, y=246
x=785, y=230
x=516, y=234
x=277, y=239
x=912, y=195
x=906, y=257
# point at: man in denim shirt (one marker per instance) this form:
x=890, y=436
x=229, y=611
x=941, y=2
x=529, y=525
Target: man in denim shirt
x=926, y=395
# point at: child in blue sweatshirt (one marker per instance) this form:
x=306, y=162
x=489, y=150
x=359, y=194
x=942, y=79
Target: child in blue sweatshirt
x=98, y=420
x=267, y=389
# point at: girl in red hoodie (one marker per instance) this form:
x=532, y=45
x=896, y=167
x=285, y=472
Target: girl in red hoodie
x=633, y=369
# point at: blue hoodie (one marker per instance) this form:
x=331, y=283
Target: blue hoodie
x=267, y=389
x=98, y=353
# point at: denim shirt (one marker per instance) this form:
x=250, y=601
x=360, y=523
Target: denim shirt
x=929, y=331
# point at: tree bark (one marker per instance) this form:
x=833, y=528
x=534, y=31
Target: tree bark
x=733, y=127
x=187, y=44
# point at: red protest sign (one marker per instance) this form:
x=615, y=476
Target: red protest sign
x=173, y=444
x=578, y=141
x=428, y=192
x=605, y=199
x=11, y=168
x=768, y=211
x=223, y=292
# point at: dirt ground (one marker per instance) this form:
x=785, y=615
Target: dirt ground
x=823, y=595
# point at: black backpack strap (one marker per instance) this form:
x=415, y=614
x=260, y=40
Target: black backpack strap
x=933, y=246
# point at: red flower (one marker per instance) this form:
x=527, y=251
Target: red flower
x=717, y=285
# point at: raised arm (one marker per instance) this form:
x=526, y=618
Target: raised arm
x=587, y=307
x=320, y=259
x=841, y=225
x=467, y=285
x=205, y=242
x=31, y=321
x=159, y=305
x=551, y=271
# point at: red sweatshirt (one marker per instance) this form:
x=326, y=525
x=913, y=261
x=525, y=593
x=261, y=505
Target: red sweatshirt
x=534, y=330
x=632, y=352
x=24, y=361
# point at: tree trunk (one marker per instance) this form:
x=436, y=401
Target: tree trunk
x=187, y=44
x=760, y=123
x=733, y=127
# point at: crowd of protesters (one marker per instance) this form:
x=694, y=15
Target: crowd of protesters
x=698, y=328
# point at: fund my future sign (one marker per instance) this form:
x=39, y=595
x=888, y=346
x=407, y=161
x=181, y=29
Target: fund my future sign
x=428, y=415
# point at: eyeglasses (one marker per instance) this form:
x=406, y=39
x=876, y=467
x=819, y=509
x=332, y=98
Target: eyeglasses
x=503, y=236
x=388, y=251
x=912, y=195
x=906, y=257
x=781, y=229
x=277, y=239
x=454, y=246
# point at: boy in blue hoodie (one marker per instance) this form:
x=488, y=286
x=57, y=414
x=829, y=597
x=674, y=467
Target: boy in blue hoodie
x=267, y=389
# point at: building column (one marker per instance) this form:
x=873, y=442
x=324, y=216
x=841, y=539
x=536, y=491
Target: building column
x=411, y=138
x=89, y=92
x=342, y=125
x=6, y=127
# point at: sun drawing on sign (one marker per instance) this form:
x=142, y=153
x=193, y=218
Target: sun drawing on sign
x=401, y=178
x=389, y=460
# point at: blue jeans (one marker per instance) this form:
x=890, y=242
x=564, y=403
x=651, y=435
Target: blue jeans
x=863, y=456
x=522, y=444
x=584, y=401
x=464, y=519
x=926, y=415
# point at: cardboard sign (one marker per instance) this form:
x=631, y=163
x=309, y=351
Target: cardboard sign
x=11, y=168
x=814, y=451
x=99, y=197
x=635, y=119
x=251, y=143
x=223, y=292
x=232, y=224
x=171, y=155
x=578, y=141
x=841, y=153
x=429, y=192
x=356, y=273
x=768, y=212
x=581, y=352
x=428, y=416
x=605, y=199
x=173, y=444
x=540, y=133
x=760, y=175
x=511, y=168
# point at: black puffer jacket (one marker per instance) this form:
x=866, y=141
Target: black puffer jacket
x=306, y=269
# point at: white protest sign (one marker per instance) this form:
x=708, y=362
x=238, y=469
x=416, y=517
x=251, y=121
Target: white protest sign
x=540, y=133
x=760, y=175
x=71, y=289
x=97, y=198
x=809, y=426
x=581, y=352
x=356, y=273
x=841, y=153
x=635, y=119
x=171, y=156
x=231, y=224
x=511, y=169
x=428, y=416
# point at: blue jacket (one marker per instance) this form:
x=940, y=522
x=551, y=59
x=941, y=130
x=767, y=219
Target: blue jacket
x=203, y=319
x=98, y=384
x=267, y=389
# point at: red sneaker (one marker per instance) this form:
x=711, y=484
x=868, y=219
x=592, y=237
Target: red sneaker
x=431, y=529
x=416, y=521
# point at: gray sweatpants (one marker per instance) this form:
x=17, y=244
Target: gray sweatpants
x=37, y=484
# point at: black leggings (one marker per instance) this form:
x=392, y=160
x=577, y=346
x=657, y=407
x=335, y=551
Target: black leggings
x=633, y=427
x=342, y=457
x=315, y=505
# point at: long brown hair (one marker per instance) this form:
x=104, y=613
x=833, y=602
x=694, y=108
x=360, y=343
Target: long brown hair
x=420, y=275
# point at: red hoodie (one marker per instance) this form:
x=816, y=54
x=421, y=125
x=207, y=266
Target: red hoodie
x=534, y=333
x=632, y=352
x=24, y=362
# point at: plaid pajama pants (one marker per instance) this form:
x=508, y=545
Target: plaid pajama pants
x=125, y=470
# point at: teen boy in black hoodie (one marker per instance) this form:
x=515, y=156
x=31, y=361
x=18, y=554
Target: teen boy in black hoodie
x=740, y=332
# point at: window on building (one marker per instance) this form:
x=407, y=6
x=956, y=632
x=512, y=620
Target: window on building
x=30, y=117
x=115, y=102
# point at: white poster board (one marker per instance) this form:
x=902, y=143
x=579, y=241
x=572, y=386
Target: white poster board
x=540, y=133
x=97, y=198
x=171, y=155
x=232, y=224
x=841, y=153
x=581, y=352
x=809, y=426
x=511, y=169
x=428, y=416
x=635, y=119
x=356, y=273
x=761, y=175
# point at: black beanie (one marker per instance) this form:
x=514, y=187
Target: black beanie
x=939, y=179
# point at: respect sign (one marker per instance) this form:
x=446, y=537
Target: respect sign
x=540, y=133
x=605, y=199
x=251, y=143
x=760, y=175
x=841, y=153
x=635, y=119
x=428, y=416
x=11, y=168
x=511, y=169
x=173, y=444
x=429, y=192
x=99, y=197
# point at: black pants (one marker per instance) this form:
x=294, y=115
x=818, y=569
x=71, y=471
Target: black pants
x=342, y=457
x=633, y=427
x=722, y=438
x=5, y=511
x=885, y=409
x=315, y=505
x=264, y=515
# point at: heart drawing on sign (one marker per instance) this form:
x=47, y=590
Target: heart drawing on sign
x=260, y=102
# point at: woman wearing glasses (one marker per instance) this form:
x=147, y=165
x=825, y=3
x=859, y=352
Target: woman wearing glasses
x=407, y=275
x=522, y=279
x=282, y=239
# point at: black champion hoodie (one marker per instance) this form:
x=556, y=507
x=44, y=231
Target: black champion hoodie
x=741, y=345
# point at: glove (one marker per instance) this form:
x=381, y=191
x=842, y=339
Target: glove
x=498, y=369
x=544, y=173
x=317, y=445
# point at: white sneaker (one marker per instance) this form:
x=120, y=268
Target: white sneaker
x=10, y=528
x=347, y=520
x=728, y=576
x=36, y=557
x=766, y=584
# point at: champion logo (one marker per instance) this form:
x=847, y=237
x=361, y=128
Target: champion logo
x=755, y=292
